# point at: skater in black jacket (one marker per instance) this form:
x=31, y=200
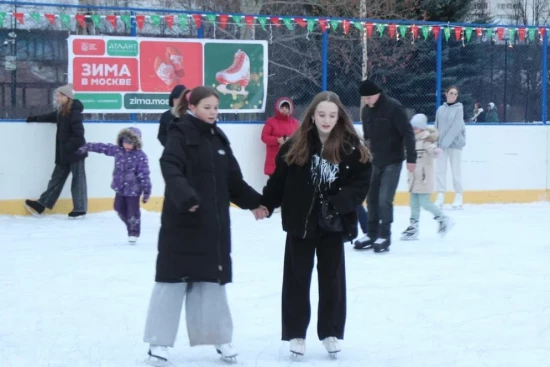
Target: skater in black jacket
x=194, y=250
x=322, y=175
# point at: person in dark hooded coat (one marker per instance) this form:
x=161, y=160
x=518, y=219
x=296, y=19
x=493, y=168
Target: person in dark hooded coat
x=167, y=117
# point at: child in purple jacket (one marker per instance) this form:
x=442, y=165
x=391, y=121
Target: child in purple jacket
x=130, y=176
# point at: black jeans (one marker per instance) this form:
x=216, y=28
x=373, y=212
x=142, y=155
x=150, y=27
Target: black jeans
x=78, y=186
x=296, y=308
x=363, y=218
x=382, y=190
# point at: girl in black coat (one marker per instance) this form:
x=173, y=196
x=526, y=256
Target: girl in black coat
x=69, y=138
x=322, y=175
x=194, y=251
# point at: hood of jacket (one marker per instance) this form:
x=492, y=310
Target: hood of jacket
x=133, y=134
x=278, y=112
x=454, y=105
x=430, y=134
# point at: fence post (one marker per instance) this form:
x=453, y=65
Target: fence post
x=544, y=78
x=200, y=31
x=324, y=60
x=438, y=70
x=133, y=33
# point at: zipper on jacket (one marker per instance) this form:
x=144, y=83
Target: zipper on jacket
x=220, y=267
x=314, y=194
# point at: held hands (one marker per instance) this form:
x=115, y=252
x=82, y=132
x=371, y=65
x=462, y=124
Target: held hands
x=260, y=212
x=411, y=167
x=281, y=140
x=194, y=208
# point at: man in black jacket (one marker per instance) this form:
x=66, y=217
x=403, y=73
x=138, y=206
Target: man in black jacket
x=387, y=131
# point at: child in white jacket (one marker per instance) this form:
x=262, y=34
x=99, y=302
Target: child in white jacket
x=422, y=180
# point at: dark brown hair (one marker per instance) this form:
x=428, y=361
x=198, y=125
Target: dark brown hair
x=452, y=87
x=342, y=138
x=65, y=108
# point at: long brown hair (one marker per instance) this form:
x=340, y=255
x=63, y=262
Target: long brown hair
x=182, y=105
x=342, y=138
x=65, y=108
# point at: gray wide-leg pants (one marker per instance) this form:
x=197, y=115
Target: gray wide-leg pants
x=207, y=314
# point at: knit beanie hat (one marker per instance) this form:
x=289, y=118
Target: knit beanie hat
x=66, y=90
x=420, y=121
x=368, y=88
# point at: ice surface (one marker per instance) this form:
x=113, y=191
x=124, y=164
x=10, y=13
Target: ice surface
x=73, y=293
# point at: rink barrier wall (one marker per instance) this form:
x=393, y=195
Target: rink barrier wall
x=501, y=164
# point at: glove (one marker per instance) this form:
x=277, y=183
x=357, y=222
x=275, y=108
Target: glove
x=82, y=150
x=32, y=119
x=146, y=198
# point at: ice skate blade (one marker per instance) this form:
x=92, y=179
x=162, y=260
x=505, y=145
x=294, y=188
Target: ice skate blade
x=333, y=355
x=32, y=211
x=224, y=90
x=157, y=362
x=457, y=207
x=228, y=359
x=296, y=356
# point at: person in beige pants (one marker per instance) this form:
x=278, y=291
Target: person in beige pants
x=449, y=121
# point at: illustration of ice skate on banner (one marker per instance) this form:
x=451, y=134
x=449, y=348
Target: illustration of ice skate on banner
x=237, y=73
x=176, y=58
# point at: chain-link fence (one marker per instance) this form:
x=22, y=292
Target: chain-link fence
x=500, y=75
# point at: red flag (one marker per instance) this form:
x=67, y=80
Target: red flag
x=20, y=17
x=249, y=20
x=521, y=33
x=370, y=27
x=140, y=20
x=414, y=31
x=345, y=25
x=436, y=29
x=198, y=20
x=301, y=22
x=392, y=30
x=275, y=21
x=458, y=33
x=50, y=17
x=323, y=25
x=81, y=19
x=223, y=20
x=169, y=19
x=542, y=31
x=479, y=32
x=500, y=33
x=112, y=20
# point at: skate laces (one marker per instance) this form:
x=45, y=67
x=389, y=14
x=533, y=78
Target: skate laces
x=237, y=62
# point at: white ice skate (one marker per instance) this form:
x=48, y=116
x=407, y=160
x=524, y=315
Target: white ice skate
x=445, y=224
x=297, y=347
x=440, y=200
x=411, y=233
x=158, y=356
x=332, y=346
x=237, y=73
x=228, y=352
x=132, y=240
x=457, y=203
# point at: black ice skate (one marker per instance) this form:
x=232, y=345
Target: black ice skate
x=74, y=215
x=382, y=245
x=364, y=243
x=411, y=233
x=444, y=225
x=34, y=207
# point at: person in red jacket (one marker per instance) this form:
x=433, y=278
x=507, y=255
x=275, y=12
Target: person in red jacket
x=277, y=130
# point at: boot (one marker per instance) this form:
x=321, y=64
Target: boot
x=444, y=225
x=457, y=203
x=411, y=233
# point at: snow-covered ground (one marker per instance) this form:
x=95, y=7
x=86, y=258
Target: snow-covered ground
x=73, y=293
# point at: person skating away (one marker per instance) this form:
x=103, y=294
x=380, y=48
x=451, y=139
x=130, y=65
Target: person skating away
x=131, y=177
x=449, y=121
x=69, y=137
x=168, y=116
x=202, y=177
x=322, y=175
x=277, y=130
x=387, y=130
x=422, y=180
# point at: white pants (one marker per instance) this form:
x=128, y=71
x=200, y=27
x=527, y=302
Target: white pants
x=455, y=158
x=206, y=309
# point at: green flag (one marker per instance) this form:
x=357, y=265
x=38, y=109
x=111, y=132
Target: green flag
x=65, y=19
x=182, y=20
x=334, y=25
x=468, y=32
x=310, y=25
x=531, y=34
x=2, y=17
x=155, y=19
x=96, y=19
x=237, y=19
x=402, y=30
x=447, y=32
x=425, y=31
x=358, y=25
x=381, y=28
x=127, y=20
x=35, y=16
x=287, y=22
x=263, y=21
x=489, y=33
x=512, y=32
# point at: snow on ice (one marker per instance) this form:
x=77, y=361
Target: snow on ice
x=73, y=293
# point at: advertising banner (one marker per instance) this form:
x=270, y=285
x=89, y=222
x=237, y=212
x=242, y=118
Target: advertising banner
x=136, y=75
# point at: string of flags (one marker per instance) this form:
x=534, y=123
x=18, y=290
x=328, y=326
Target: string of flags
x=183, y=20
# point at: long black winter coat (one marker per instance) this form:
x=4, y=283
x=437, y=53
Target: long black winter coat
x=165, y=120
x=298, y=190
x=70, y=133
x=199, y=168
x=387, y=129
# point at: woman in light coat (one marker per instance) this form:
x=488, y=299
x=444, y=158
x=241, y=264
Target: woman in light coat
x=449, y=121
